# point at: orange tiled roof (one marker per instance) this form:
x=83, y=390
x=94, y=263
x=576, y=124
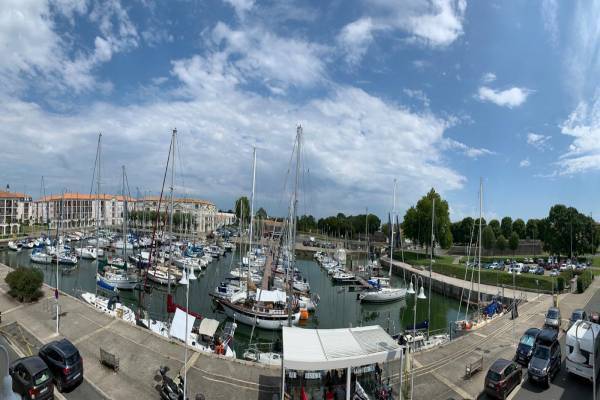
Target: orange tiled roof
x=178, y=200
x=12, y=195
x=82, y=196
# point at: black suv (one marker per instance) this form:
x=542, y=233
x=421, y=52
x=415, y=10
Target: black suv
x=546, y=361
x=64, y=362
x=31, y=378
x=526, y=346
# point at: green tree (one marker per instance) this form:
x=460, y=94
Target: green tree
x=519, y=227
x=307, y=223
x=488, y=239
x=501, y=243
x=261, y=213
x=242, y=205
x=417, y=221
x=531, y=229
x=513, y=242
x=25, y=283
x=564, y=228
x=506, y=226
x=495, y=225
x=467, y=229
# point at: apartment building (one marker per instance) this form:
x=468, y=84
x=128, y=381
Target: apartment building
x=15, y=209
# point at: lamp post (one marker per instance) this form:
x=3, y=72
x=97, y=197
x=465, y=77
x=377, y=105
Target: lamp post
x=185, y=280
x=411, y=290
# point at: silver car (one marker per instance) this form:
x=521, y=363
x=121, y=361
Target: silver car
x=553, y=318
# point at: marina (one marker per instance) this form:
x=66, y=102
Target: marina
x=338, y=306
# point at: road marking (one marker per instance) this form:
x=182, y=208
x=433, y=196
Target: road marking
x=87, y=336
x=461, y=392
x=13, y=309
x=479, y=334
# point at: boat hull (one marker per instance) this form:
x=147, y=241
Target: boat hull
x=383, y=296
x=273, y=323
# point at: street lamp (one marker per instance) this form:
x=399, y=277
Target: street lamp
x=420, y=296
x=185, y=280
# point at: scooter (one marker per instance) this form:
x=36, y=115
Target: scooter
x=170, y=389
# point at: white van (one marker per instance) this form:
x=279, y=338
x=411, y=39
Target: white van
x=581, y=347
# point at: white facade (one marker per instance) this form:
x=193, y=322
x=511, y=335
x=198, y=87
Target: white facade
x=74, y=210
x=15, y=209
x=205, y=215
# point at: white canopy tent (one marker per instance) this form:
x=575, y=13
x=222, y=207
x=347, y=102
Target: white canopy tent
x=327, y=349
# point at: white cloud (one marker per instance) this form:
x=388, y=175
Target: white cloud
x=525, y=163
x=344, y=124
x=538, y=141
x=510, y=98
x=277, y=61
x=471, y=152
x=417, y=95
x=433, y=23
x=241, y=6
x=549, y=10
x=583, y=125
x=33, y=54
x=488, y=77
x=355, y=39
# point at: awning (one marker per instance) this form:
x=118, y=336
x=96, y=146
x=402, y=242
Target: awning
x=178, y=325
x=208, y=327
x=273, y=296
x=325, y=349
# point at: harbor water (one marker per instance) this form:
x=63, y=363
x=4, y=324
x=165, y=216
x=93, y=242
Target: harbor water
x=338, y=307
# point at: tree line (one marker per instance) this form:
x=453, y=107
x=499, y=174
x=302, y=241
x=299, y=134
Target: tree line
x=565, y=231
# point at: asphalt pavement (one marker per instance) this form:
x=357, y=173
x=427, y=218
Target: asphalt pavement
x=84, y=391
x=564, y=386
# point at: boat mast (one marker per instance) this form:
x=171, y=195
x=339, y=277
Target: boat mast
x=392, y=230
x=479, y=257
x=431, y=265
x=250, y=233
x=173, y=138
x=124, y=218
x=367, y=236
x=293, y=218
x=98, y=206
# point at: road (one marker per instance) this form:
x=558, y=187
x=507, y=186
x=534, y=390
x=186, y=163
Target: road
x=84, y=391
x=564, y=386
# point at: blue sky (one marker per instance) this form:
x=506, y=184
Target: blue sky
x=432, y=93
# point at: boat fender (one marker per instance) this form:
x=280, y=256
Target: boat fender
x=303, y=314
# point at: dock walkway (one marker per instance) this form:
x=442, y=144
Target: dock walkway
x=490, y=290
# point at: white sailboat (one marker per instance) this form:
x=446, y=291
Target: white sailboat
x=381, y=290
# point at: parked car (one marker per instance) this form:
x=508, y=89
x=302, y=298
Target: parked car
x=546, y=360
x=553, y=319
x=554, y=272
x=65, y=363
x=502, y=377
x=526, y=345
x=539, y=271
x=525, y=269
x=594, y=317
x=31, y=378
x=578, y=314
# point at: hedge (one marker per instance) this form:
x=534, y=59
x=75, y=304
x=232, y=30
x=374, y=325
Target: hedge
x=489, y=277
x=584, y=280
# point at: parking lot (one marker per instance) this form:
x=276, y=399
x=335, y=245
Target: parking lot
x=563, y=386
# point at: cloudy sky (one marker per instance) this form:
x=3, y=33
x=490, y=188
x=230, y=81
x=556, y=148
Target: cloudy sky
x=433, y=93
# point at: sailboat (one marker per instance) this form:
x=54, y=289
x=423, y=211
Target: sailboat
x=381, y=290
x=268, y=309
x=117, y=277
